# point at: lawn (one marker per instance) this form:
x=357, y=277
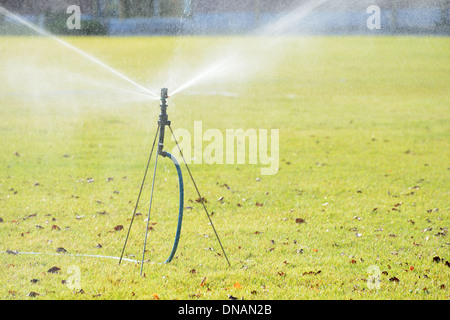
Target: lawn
x=359, y=208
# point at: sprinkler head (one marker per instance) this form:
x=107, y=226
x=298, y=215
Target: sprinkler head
x=163, y=121
x=164, y=96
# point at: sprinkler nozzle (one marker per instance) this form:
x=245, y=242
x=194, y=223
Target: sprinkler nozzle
x=164, y=96
x=163, y=120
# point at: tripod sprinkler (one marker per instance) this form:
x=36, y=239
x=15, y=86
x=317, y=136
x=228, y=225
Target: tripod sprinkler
x=162, y=123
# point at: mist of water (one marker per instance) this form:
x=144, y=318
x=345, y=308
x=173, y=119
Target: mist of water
x=232, y=61
x=142, y=90
x=238, y=61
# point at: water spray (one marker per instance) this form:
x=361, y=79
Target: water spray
x=164, y=122
x=150, y=94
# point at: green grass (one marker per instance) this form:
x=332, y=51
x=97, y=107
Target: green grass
x=364, y=150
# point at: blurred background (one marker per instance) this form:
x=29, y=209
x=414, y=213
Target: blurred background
x=214, y=17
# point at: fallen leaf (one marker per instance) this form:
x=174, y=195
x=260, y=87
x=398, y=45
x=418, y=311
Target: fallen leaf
x=300, y=220
x=259, y=204
x=61, y=250
x=237, y=285
x=54, y=270
x=443, y=232
x=202, y=199
x=118, y=227
x=394, y=279
x=312, y=273
x=203, y=282
x=33, y=294
x=155, y=296
x=29, y=216
x=55, y=227
x=437, y=259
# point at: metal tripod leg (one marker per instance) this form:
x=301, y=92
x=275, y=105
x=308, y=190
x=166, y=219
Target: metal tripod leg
x=139, y=196
x=148, y=216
